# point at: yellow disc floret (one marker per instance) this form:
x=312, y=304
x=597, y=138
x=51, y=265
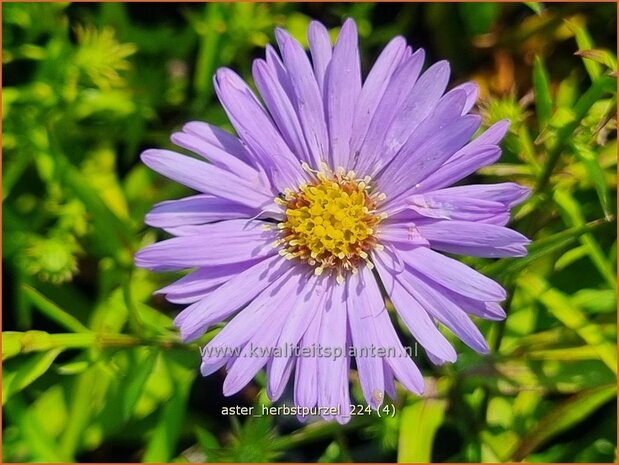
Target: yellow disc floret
x=330, y=222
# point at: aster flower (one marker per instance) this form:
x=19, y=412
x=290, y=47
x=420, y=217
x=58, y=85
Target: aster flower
x=333, y=188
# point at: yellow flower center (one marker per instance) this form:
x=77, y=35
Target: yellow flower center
x=330, y=222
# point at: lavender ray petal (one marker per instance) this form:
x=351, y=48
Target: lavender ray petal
x=414, y=315
x=257, y=130
x=374, y=88
x=196, y=209
x=255, y=353
x=342, y=88
x=227, y=299
x=400, y=84
x=321, y=50
x=474, y=239
x=452, y=274
x=308, y=98
x=364, y=336
x=207, y=178
x=228, y=242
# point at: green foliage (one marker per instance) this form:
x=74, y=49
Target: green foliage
x=93, y=368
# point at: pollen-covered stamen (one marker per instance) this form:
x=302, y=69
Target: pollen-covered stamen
x=330, y=222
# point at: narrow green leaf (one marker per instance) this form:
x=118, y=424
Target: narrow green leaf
x=596, y=174
x=600, y=87
x=418, y=425
x=571, y=316
x=26, y=373
x=53, y=311
x=135, y=382
x=42, y=447
x=571, y=256
x=80, y=411
x=543, y=98
x=207, y=54
x=574, y=217
x=162, y=444
x=603, y=57
x=537, y=7
x=584, y=42
x=563, y=417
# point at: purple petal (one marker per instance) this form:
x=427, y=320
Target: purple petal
x=400, y=148
x=220, y=139
x=374, y=88
x=221, y=243
x=485, y=310
x=342, y=87
x=404, y=234
x=215, y=155
x=400, y=85
x=297, y=323
x=404, y=179
x=403, y=367
x=277, y=383
x=320, y=47
x=202, y=281
x=470, y=159
x=444, y=310
x=306, y=374
x=257, y=130
x=364, y=336
x=442, y=205
x=474, y=239
x=281, y=109
x=480, y=152
x=472, y=92
x=333, y=370
x=275, y=64
x=197, y=209
x=206, y=178
x=416, y=318
x=261, y=285
x=417, y=105
x=453, y=274
x=389, y=381
x=307, y=95
x=228, y=298
x=509, y=194
x=265, y=334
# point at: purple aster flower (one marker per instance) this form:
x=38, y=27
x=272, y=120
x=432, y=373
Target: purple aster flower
x=334, y=187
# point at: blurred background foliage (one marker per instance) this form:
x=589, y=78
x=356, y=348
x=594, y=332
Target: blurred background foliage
x=92, y=367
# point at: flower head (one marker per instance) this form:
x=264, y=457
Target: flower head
x=334, y=187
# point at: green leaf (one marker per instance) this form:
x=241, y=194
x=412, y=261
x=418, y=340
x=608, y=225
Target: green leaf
x=207, y=55
x=571, y=316
x=53, y=311
x=418, y=425
x=478, y=17
x=162, y=444
x=135, y=382
x=41, y=446
x=28, y=371
x=563, y=417
x=603, y=57
x=595, y=174
x=543, y=98
x=537, y=7
x=571, y=256
x=584, y=42
x=574, y=217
